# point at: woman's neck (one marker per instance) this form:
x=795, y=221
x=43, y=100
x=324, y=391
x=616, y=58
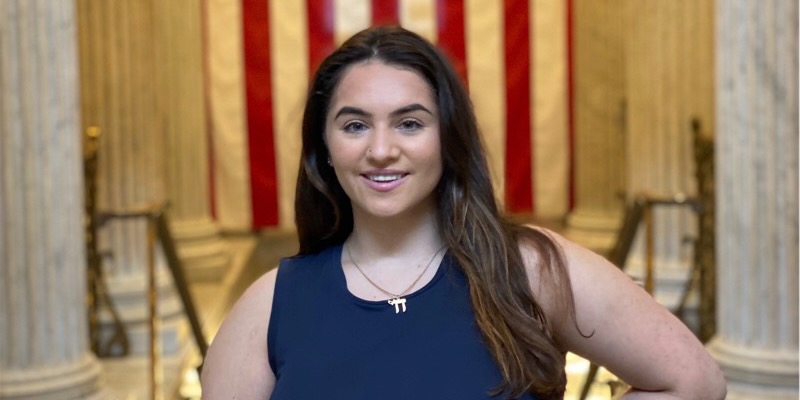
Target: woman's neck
x=402, y=236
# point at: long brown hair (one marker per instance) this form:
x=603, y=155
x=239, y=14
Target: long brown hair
x=485, y=243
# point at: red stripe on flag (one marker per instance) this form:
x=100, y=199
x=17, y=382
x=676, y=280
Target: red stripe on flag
x=450, y=26
x=570, y=105
x=320, y=32
x=385, y=12
x=261, y=146
x=519, y=177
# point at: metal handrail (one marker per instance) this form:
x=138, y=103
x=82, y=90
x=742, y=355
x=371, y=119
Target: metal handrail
x=158, y=231
x=157, y=215
x=97, y=289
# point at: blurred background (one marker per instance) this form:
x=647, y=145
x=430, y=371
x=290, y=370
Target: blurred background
x=149, y=150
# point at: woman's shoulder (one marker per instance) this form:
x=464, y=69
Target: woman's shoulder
x=236, y=363
x=542, y=247
x=543, y=252
x=547, y=254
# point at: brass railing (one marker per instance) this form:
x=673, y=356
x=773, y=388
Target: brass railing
x=97, y=291
x=705, y=258
x=158, y=232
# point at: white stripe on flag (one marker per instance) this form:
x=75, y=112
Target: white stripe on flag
x=289, y=44
x=229, y=127
x=484, y=41
x=350, y=17
x=549, y=108
x=419, y=16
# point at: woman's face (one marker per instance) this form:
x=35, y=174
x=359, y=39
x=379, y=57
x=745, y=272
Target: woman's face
x=382, y=132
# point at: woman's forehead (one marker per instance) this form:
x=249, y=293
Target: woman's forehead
x=373, y=84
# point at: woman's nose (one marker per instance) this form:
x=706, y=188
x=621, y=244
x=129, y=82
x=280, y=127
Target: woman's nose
x=382, y=145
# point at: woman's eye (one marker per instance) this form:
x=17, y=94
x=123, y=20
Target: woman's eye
x=354, y=127
x=410, y=125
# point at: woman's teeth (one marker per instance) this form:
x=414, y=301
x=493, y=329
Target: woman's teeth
x=384, y=178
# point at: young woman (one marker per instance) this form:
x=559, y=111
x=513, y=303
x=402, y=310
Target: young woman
x=410, y=284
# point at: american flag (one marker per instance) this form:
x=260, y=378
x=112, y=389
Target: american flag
x=514, y=56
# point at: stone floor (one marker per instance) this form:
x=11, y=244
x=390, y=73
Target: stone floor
x=252, y=256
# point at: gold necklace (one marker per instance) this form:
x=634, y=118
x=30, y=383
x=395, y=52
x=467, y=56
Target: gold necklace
x=397, y=300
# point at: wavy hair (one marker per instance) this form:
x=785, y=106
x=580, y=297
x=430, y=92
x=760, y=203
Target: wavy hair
x=485, y=244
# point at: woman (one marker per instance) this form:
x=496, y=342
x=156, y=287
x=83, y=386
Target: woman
x=410, y=284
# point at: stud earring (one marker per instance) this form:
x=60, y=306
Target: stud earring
x=329, y=161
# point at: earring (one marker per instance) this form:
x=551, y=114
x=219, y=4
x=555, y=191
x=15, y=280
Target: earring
x=329, y=161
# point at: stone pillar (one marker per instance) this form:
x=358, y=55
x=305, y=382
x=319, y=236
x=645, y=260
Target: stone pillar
x=599, y=123
x=44, y=351
x=181, y=83
x=757, y=198
x=119, y=94
x=668, y=83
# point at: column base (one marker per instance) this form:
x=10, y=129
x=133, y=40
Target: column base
x=129, y=295
x=594, y=230
x=78, y=380
x=129, y=377
x=201, y=249
x=738, y=391
x=757, y=373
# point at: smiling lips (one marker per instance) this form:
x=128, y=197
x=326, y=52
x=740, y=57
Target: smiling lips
x=384, y=181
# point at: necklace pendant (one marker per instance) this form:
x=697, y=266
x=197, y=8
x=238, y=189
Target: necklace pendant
x=397, y=302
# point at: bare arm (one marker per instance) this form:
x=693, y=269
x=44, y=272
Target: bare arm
x=236, y=366
x=634, y=337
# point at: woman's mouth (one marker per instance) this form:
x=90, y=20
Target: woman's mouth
x=384, y=177
x=384, y=182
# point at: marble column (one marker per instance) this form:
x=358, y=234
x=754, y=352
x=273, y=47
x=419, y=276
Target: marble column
x=181, y=88
x=668, y=82
x=119, y=94
x=599, y=123
x=44, y=349
x=757, y=198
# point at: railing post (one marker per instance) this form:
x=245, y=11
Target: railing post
x=152, y=306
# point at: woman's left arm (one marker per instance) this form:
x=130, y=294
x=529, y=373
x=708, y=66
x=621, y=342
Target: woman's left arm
x=630, y=334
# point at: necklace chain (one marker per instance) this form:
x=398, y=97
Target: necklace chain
x=395, y=296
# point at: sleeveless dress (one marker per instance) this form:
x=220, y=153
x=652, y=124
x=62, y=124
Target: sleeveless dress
x=326, y=343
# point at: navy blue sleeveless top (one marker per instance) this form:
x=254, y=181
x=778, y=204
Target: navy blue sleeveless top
x=326, y=343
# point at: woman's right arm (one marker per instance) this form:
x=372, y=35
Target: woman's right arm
x=236, y=365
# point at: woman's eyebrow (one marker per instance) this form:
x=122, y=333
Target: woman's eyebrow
x=350, y=110
x=410, y=108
